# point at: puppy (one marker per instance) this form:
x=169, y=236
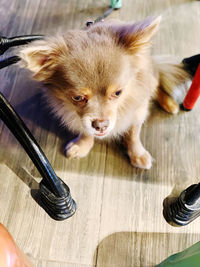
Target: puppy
x=100, y=82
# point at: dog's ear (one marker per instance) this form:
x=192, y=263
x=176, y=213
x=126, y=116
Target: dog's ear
x=136, y=37
x=41, y=58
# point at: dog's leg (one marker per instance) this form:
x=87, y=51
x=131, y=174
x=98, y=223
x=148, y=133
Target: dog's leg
x=138, y=155
x=167, y=103
x=79, y=147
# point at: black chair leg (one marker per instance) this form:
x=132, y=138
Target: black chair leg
x=185, y=208
x=54, y=193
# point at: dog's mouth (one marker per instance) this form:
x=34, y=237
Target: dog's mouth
x=99, y=128
x=99, y=134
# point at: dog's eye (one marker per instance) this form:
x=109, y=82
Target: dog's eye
x=117, y=93
x=78, y=98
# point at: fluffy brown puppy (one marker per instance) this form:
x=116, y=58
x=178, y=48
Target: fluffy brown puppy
x=100, y=81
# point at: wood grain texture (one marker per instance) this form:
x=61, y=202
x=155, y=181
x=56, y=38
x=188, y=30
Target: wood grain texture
x=42, y=263
x=119, y=218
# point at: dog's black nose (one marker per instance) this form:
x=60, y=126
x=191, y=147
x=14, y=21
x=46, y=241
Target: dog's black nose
x=100, y=125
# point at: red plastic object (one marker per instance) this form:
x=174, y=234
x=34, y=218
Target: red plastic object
x=193, y=92
x=10, y=254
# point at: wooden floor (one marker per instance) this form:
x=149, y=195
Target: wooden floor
x=118, y=222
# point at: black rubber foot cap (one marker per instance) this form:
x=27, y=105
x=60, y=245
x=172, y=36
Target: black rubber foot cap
x=183, y=108
x=58, y=208
x=178, y=211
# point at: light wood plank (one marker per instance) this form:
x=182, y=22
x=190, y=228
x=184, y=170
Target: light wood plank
x=127, y=249
x=43, y=263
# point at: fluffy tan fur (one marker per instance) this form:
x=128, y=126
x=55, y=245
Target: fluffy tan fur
x=100, y=81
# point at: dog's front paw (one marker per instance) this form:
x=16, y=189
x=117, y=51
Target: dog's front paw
x=74, y=150
x=79, y=147
x=143, y=161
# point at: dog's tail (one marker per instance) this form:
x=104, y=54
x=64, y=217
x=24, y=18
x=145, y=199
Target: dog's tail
x=173, y=83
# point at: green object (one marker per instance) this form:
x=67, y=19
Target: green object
x=116, y=4
x=187, y=258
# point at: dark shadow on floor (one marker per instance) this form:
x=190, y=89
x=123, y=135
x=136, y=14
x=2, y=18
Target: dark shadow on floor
x=37, y=111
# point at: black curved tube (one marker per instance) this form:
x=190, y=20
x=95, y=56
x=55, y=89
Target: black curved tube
x=6, y=43
x=54, y=193
x=191, y=64
x=9, y=61
x=26, y=139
